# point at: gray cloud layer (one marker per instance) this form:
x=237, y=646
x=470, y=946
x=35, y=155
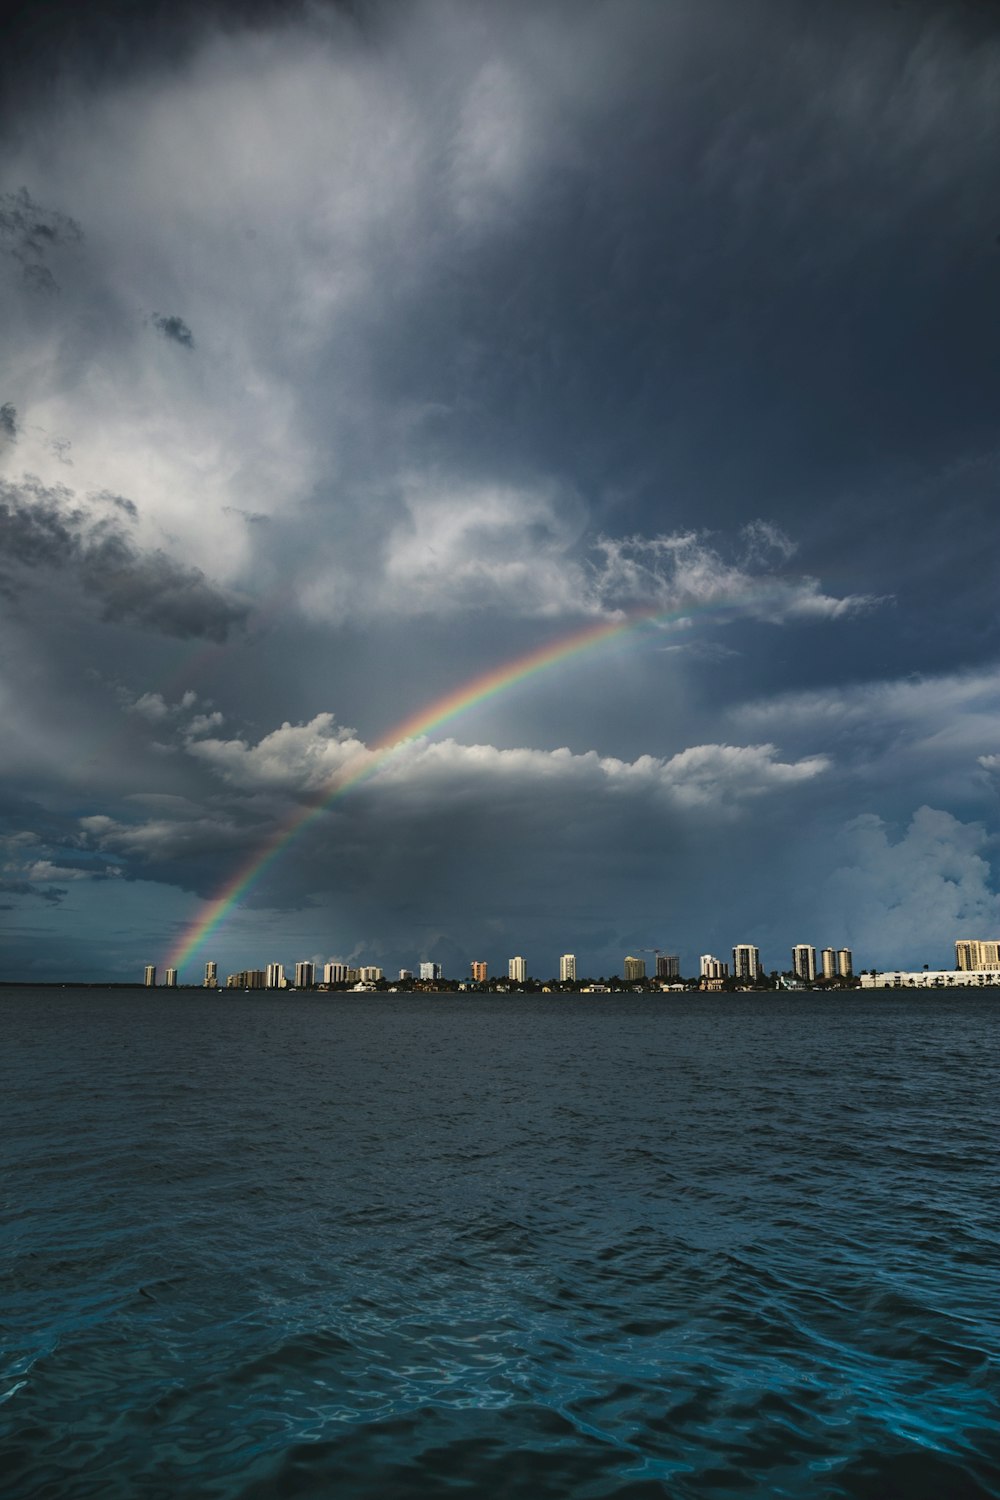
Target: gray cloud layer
x=48, y=527
x=507, y=319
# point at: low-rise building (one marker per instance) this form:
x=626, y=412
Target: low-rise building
x=929, y=979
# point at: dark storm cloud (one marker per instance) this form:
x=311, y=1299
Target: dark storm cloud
x=29, y=232
x=47, y=527
x=251, y=517
x=175, y=328
x=53, y=894
x=509, y=313
x=8, y=422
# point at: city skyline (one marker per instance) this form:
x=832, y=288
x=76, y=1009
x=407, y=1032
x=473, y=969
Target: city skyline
x=745, y=965
x=475, y=474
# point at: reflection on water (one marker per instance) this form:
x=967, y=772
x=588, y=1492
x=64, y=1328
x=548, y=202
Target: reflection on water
x=373, y=1246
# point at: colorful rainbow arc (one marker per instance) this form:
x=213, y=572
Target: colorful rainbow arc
x=422, y=722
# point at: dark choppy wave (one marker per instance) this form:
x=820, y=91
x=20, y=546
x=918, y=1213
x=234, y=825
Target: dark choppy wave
x=509, y=1247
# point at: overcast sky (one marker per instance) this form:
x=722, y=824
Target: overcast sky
x=350, y=352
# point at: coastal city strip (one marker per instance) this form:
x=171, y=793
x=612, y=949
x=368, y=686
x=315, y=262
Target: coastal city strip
x=976, y=963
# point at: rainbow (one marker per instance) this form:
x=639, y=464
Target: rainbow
x=426, y=719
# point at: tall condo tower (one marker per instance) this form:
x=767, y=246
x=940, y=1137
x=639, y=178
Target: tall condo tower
x=517, y=970
x=973, y=953
x=150, y=978
x=567, y=967
x=746, y=962
x=804, y=961
x=211, y=975
x=170, y=979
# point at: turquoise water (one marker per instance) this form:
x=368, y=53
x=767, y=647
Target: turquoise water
x=408, y=1246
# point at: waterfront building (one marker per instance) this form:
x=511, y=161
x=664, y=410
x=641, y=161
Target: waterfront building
x=828, y=963
x=305, y=975
x=567, y=967
x=211, y=975
x=430, y=971
x=804, y=962
x=517, y=970
x=635, y=968
x=150, y=979
x=406, y=973
x=845, y=963
x=335, y=973
x=973, y=953
x=370, y=974
x=479, y=971
x=746, y=962
x=668, y=966
x=929, y=979
x=247, y=979
x=170, y=979
x=274, y=978
x=710, y=967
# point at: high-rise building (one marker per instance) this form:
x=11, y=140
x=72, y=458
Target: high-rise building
x=370, y=974
x=247, y=979
x=804, y=961
x=150, y=978
x=517, y=970
x=406, y=973
x=635, y=968
x=973, y=953
x=479, y=971
x=668, y=966
x=335, y=973
x=305, y=975
x=170, y=979
x=274, y=977
x=828, y=963
x=430, y=971
x=845, y=963
x=712, y=968
x=746, y=962
x=211, y=975
x=567, y=967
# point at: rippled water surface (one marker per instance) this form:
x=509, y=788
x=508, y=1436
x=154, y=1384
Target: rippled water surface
x=404, y=1246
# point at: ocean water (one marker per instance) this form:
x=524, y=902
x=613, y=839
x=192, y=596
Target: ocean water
x=390, y=1246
